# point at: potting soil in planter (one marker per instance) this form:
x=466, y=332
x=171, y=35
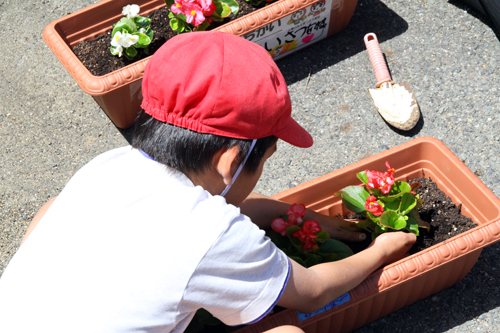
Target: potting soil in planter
x=96, y=57
x=443, y=215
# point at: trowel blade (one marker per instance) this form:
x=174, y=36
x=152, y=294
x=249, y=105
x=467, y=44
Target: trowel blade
x=396, y=104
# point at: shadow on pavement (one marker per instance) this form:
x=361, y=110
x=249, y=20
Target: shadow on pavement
x=369, y=16
x=486, y=11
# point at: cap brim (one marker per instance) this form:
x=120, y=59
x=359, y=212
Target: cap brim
x=295, y=134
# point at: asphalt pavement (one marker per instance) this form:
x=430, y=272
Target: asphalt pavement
x=448, y=53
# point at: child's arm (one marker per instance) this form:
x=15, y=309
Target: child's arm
x=263, y=210
x=37, y=218
x=309, y=289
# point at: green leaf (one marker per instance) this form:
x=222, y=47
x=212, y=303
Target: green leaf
x=232, y=4
x=131, y=52
x=174, y=24
x=203, y=26
x=419, y=202
x=331, y=257
x=363, y=177
x=143, y=41
x=182, y=26
x=226, y=10
x=415, y=217
x=323, y=235
x=218, y=9
x=354, y=198
x=311, y=261
x=390, y=203
x=282, y=242
x=169, y=3
x=142, y=22
x=399, y=187
x=335, y=246
x=374, y=219
x=414, y=229
x=392, y=220
x=124, y=24
x=408, y=202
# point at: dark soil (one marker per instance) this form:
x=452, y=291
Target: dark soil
x=97, y=58
x=438, y=210
x=443, y=215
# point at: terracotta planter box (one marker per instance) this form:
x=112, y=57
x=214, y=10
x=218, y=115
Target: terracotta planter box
x=414, y=277
x=283, y=27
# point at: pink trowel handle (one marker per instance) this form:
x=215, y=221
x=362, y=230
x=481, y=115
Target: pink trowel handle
x=377, y=58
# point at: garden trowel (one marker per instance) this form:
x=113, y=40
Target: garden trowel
x=395, y=102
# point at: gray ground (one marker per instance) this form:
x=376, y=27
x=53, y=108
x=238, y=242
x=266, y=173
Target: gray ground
x=449, y=54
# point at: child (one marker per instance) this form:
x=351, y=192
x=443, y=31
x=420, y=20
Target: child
x=143, y=236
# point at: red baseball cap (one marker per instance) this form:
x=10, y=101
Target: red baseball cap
x=219, y=83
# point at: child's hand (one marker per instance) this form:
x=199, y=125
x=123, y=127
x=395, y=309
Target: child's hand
x=393, y=245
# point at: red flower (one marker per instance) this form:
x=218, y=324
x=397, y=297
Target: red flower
x=296, y=213
x=379, y=180
x=280, y=225
x=389, y=169
x=311, y=245
x=373, y=206
x=300, y=210
x=307, y=240
x=311, y=227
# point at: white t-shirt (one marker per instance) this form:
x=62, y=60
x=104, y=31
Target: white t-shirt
x=132, y=246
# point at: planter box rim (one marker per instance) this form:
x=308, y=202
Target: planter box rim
x=101, y=85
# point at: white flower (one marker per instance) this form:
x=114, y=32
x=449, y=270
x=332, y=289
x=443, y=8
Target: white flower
x=116, y=39
x=117, y=50
x=131, y=11
x=127, y=40
x=124, y=39
x=142, y=30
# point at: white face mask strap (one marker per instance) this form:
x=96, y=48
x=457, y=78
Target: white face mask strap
x=239, y=168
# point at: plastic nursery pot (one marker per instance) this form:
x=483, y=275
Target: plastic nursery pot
x=282, y=28
x=414, y=277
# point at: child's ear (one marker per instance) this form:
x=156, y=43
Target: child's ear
x=226, y=163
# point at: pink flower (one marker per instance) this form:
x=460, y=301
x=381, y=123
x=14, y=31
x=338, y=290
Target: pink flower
x=194, y=14
x=280, y=225
x=373, y=206
x=311, y=227
x=208, y=7
x=177, y=8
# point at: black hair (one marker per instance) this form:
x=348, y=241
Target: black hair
x=189, y=151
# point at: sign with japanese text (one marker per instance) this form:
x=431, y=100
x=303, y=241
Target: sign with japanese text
x=295, y=31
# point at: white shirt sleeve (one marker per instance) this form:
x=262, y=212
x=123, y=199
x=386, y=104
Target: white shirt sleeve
x=241, y=277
